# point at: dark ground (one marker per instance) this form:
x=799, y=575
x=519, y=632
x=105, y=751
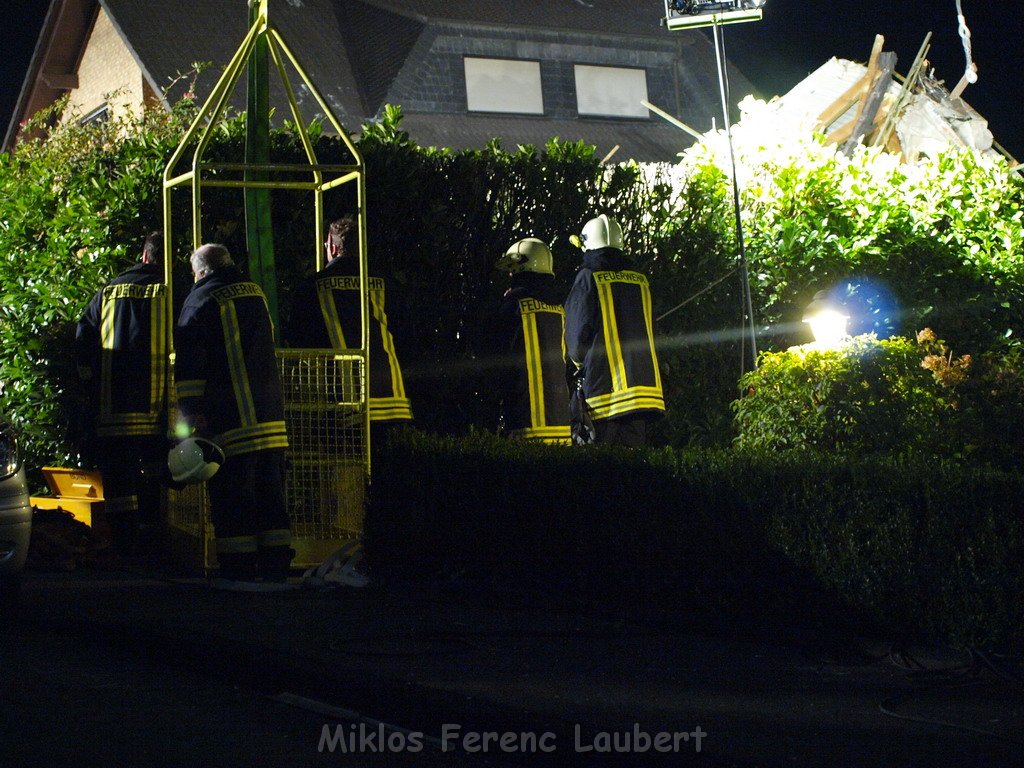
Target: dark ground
x=142, y=669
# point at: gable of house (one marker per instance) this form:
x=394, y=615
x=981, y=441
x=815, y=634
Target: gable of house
x=562, y=68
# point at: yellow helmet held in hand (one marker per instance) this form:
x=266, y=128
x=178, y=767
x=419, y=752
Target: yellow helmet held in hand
x=601, y=232
x=528, y=255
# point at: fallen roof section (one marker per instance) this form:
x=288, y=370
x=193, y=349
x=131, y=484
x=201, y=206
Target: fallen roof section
x=870, y=104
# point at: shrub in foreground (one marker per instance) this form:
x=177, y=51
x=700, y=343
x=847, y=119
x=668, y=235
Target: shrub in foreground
x=879, y=397
x=929, y=549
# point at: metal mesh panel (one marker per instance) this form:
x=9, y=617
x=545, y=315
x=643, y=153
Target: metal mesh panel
x=325, y=415
x=324, y=400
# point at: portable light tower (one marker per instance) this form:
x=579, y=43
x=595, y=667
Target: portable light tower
x=685, y=14
x=691, y=14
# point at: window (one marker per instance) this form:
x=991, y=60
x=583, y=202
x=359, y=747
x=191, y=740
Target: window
x=503, y=85
x=100, y=115
x=611, y=91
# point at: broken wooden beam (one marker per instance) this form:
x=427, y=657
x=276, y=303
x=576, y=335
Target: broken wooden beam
x=886, y=65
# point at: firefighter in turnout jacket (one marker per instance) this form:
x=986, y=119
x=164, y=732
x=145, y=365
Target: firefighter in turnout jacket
x=326, y=315
x=229, y=391
x=529, y=329
x=121, y=355
x=610, y=339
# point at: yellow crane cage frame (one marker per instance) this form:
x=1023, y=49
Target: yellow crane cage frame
x=325, y=392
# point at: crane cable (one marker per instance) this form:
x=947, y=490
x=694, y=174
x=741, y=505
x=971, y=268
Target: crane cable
x=970, y=68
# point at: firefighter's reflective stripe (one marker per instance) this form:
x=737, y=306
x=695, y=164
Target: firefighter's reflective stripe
x=227, y=365
x=624, y=298
x=388, y=342
x=236, y=363
x=553, y=435
x=329, y=309
x=543, y=326
x=389, y=409
x=281, y=537
x=619, y=403
x=115, y=317
x=240, y=545
x=158, y=332
x=190, y=388
x=256, y=437
x=130, y=424
x=132, y=419
x=394, y=406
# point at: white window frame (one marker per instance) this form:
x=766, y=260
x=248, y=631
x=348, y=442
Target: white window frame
x=606, y=91
x=508, y=86
x=99, y=115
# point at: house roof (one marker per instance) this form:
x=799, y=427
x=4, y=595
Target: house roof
x=353, y=50
x=639, y=141
x=167, y=37
x=619, y=17
x=54, y=60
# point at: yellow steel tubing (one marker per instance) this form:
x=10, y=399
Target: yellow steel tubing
x=206, y=109
x=341, y=180
x=293, y=104
x=214, y=106
x=187, y=176
x=317, y=95
x=279, y=167
x=225, y=85
x=168, y=272
x=364, y=272
x=361, y=213
x=306, y=185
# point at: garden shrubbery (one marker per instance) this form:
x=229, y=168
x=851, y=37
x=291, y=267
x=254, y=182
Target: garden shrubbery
x=915, y=548
x=937, y=243
x=841, y=481
x=897, y=397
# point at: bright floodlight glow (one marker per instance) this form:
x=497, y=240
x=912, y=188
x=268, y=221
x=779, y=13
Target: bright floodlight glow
x=827, y=320
x=829, y=328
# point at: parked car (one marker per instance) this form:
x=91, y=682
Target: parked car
x=15, y=516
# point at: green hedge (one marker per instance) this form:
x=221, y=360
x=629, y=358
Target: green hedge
x=888, y=396
x=73, y=209
x=926, y=550
x=943, y=237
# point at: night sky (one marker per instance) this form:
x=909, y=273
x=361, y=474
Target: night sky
x=794, y=38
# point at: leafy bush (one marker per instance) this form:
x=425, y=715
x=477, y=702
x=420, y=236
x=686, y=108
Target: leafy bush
x=895, y=396
x=921, y=548
x=73, y=210
x=942, y=239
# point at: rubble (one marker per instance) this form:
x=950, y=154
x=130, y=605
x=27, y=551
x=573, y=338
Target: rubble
x=913, y=116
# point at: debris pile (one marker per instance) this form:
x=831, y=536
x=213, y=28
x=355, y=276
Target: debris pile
x=855, y=104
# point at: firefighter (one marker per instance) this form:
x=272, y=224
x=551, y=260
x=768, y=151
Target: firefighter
x=610, y=340
x=229, y=392
x=326, y=315
x=529, y=328
x=121, y=356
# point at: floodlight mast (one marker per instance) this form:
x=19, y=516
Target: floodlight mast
x=686, y=14
x=691, y=14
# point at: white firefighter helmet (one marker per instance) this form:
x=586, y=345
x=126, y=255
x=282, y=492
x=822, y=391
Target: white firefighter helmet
x=194, y=460
x=528, y=255
x=601, y=232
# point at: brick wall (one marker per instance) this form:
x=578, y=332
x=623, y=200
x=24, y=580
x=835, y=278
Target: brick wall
x=107, y=74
